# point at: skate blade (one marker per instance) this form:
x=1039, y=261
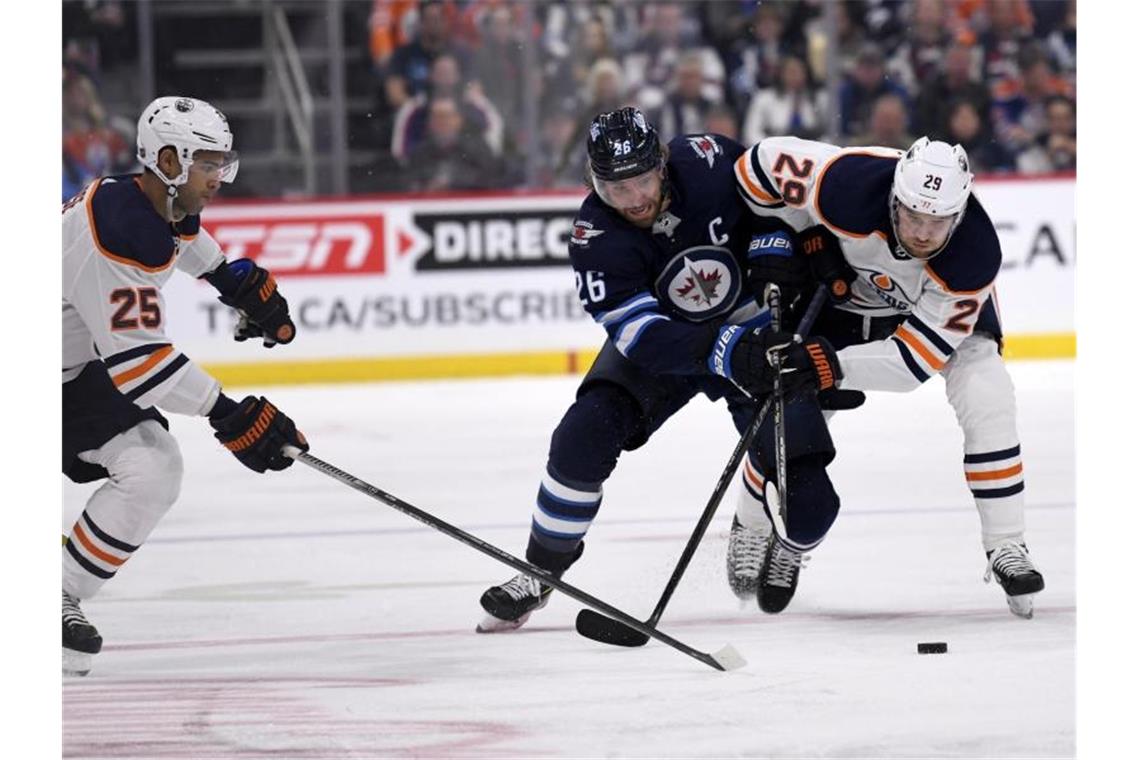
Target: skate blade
x=1022, y=605
x=492, y=624
x=76, y=663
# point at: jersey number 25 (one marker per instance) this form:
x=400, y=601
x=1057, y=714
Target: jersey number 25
x=149, y=314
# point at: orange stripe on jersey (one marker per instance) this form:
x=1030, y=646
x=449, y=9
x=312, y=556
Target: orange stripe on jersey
x=753, y=476
x=142, y=369
x=948, y=289
x=95, y=551
x=99, y=244
x=753, y=188
x=1008, y=472
x=912, y=340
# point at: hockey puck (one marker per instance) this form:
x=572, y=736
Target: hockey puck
x=932, y=647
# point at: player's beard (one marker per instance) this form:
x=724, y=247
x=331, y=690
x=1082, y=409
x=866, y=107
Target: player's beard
x=646, y=218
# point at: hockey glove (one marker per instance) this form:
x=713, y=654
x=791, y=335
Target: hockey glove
x=826, y=263
x=746, y=356
x=773, y=260
x=255, y=433
x=252, y=291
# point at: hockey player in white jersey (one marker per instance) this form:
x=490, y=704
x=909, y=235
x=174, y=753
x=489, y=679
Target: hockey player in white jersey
x=122, y=239
x=910, y=257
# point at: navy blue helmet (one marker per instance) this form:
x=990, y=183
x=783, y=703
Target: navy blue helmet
x=622, y=144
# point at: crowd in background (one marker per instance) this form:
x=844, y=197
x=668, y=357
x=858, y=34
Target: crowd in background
x=451, y=82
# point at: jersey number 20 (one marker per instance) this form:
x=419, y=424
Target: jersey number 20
x=149, y=314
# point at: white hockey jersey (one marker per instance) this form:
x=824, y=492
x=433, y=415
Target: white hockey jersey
x=805, y=183
x=118, y=252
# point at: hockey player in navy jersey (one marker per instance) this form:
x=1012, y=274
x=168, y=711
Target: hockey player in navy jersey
x=122, y=239
x=911, y=257
x=660, y=250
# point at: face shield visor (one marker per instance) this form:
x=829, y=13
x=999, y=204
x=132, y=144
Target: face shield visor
x=214, y=165
x=632, y=192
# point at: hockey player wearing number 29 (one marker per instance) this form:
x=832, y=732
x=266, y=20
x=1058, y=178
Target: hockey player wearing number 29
x=660, y=250
x=910, y=257
x=123, y=237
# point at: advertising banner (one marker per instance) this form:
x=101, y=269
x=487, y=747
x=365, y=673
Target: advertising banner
x=432, y=284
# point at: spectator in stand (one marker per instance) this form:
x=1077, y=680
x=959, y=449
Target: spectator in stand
x=721, y=120
x=479, y=114
x=568, y=74
x=671, y=32
x=794, y=106
x=754, y=63
x=865, y=85
x=965, y=125
x=388, y=29
x=685, y=109
x=955, y=82
x=1008, y=26
x=851, y=39
x=451, y=158
x=91, y=146
x=1056, y=149
x=916, y=61
x=1019, y=103
x=498, y=65
x=887, y=125
x=408, y=69
x=1062, y=44
x=559, y=129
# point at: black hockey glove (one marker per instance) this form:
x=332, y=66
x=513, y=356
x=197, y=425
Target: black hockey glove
x=774, y=260
x=825, y=260
x=252, y=291
x=745, y=356
x=255, y=432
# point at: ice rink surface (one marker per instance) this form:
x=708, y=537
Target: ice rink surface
x=288, y=616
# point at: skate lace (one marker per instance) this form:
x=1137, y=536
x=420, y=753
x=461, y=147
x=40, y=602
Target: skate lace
x=782, y=569
x=1008, y=559
x=746, y=547
x=72, y=615
x=522, y=586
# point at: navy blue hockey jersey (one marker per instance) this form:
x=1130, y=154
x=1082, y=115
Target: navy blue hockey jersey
x=661, y=293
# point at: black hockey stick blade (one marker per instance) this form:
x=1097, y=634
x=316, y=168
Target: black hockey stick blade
x=727, y=658
x=601, y=628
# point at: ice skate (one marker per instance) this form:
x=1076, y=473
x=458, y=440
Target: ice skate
x=80, y=639
x=1009, y=562
x=779, y=576
x=509, y=605
x=746, y=549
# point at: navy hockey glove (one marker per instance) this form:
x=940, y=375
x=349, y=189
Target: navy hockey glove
x=773, y=260
x=252, y=291
x=744, y=355
x=255, y=432
x=826, y=263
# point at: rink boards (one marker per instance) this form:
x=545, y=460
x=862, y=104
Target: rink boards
x=403, y=287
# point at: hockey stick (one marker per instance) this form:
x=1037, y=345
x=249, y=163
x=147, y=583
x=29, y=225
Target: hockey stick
x=726, y=658
x=600, y=628
x=774, y=308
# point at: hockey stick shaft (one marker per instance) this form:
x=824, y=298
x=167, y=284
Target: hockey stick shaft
x=722, y=484
x=775, y=308
x=725, y=659
x=729, y=471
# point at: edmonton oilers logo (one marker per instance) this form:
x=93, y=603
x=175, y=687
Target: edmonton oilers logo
x=701, y=282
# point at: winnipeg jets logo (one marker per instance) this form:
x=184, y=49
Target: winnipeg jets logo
x=700, y=283
x=705, y=147
x=583, y=232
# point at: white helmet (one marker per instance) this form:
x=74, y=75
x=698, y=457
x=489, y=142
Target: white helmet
x=187, y=125
x=932, y=178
